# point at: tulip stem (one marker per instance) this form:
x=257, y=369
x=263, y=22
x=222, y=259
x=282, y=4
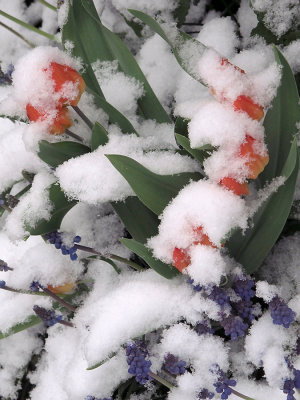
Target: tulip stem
x=58, y=299
x=45, y=3
x=83, y=117
x=30, y=44
x=28, y=26
x=73, y=135
x=6, y=208
x=112, y=256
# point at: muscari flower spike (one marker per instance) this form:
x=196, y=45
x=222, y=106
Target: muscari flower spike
x=136, y=359
x=174, y=365
x=4, y=267
x=56, y=239
x=49, y=317
x=205, y=394
x=281, y=314
x=223, y=384
x=234, y=327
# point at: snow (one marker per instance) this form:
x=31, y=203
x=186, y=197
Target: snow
x=91, y=178
x=218, y=211
x=114, y=308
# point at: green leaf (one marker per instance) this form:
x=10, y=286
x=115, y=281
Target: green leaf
x=280, y=121
x=30, y=321
x=140, y=222
x=181, y=126
x=187, y=50
x=61, y=205
x=98, y=364
x=79, y=29
x=167, y=271
x=55, y=154
x=115, y=117
x=199, y=154
x=99, y=136
x=154, y=190
x=107, y=46
x=252, y=248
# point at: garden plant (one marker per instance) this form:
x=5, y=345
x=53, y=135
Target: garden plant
x=150, y=206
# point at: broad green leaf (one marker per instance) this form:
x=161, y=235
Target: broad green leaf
x=154, y=190
x=187, y=50
x=181, y=126
x=252, y=248
x=115, y=117
x=140, y=222
x=280, y=121
x=61, y=205
x=30, y=321
x=199, y=154
x=102, y=44
x=55, y=154
x=99, y=136
x=79, y=30
x=167, y=271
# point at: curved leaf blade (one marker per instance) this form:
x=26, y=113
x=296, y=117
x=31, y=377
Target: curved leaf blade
x=155, y=191
x=280, y=121
x=115, y=116
x=167, y=271
x=30, y=321
x=186, y=49
x=55, y=154
x=252, y=248
x=109, y=47
x=61, y=205
x=99, y=136
x=140, y=222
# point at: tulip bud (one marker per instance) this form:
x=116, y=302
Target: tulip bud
x=234, y=186
x=63, y=75
x=256, y=162
x=59, y=123
x=181, y=259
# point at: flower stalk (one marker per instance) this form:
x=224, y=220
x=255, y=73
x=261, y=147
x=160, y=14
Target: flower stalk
x=112, y=256
x=28, y=42
x=83, y=116
x=28, y=26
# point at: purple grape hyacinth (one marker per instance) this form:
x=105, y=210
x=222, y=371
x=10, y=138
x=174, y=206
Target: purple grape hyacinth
x=281, y=314
x=234, y=327
x=223, y=384
x=49, y=317
x=55, y=238
x=174, y=365
x=205, y=394
x=219, y=296
x=136, y=359
x=243, y=288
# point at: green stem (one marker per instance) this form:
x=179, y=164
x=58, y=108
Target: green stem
x=17, y=34
x=112, y=256
x=242, y=396
x=45, y=3
x=161, y=380
x=26, y=188
x=28, y=26
x=6, y=208
x=135, y=266
x=83, y=117
x=73, y=135
x=59, y=300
